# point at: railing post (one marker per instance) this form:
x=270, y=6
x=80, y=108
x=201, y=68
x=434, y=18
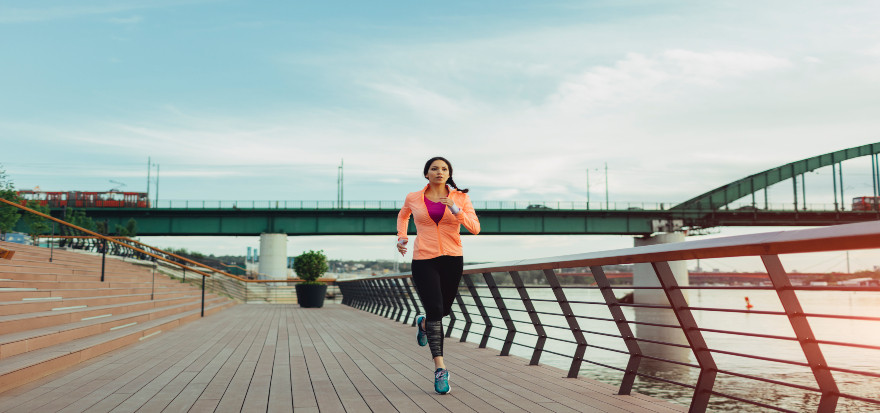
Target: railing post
x=153, y=284
x=342, y=288
x=533, y=316
x=505, y=315
x=203, y=296
x=451, y=323
x=363, y=298
x=391, y=298
x=367, y=300
x=386, y=300
x=183, y=280
x=479, y=303
x=401, y=295
x=413, y=298
x=803, y=332
x=578, y=357
x=103, y=258
x=467, y=319
x=708, y=369
x=378, y=304
x=629, y=339
x=52, y=243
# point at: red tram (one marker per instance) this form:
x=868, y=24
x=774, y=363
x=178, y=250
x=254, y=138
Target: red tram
x=866, y=203
x=82, y=199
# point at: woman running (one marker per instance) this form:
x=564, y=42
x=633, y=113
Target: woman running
x=438, y=210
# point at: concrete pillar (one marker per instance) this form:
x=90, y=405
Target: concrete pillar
x=644, y=276
x=273, y=256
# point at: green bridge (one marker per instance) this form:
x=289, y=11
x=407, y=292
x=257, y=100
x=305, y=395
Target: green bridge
x=717, y=207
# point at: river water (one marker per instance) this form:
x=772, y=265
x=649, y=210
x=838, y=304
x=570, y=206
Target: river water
x=843, y=303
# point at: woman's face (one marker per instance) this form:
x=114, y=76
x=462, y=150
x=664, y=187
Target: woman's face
x=438, y=172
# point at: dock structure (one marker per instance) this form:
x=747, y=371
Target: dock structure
x=280, y=358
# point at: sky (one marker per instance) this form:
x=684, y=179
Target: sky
x=238, y=100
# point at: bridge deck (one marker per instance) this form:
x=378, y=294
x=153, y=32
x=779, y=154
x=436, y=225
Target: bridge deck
x=334, y=359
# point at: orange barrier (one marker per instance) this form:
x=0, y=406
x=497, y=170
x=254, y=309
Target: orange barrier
x=6, y=254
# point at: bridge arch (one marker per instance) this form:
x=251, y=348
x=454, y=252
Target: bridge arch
x=725, y=194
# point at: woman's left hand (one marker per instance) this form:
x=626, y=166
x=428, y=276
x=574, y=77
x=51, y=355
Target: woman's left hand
x=449, y=204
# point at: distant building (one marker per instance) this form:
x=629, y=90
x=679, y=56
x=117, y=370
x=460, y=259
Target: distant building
x=860, y=282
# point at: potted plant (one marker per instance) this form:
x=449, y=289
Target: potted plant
x=309, y=266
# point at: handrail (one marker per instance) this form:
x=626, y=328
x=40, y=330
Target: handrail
x=97, y=235
x=325, y=280
x=512, y=205
x=481, y=303
x=862, y=235
x=171, y=254
x=111, y=239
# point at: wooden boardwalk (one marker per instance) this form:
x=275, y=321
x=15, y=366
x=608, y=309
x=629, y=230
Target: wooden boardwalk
x=279, y=358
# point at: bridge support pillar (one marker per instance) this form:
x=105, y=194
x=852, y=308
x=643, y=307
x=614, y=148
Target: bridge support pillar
x=273, y=256
x=644, y=276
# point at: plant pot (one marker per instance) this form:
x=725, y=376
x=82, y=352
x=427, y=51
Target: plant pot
x=311, y=295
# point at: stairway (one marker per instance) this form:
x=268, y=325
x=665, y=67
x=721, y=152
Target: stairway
x=56, y=314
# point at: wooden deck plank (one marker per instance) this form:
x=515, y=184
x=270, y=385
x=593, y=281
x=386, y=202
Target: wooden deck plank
x=326, y=395
x=334, y=359
x=303, y=392
x=405, y=359
x=218, y=385
x=234, y=396
x=257, y=396
x=415, y=363
x=281, y=388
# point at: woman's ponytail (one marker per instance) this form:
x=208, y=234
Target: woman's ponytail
x=452, y=183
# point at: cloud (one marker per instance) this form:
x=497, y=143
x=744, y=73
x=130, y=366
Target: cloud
x=125, y=20
x=64, y=10
x=661, y=78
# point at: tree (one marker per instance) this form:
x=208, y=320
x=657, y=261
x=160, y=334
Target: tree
x=8, y=214
x=310, y=266
x=36, y=224
x=78, y=217
x=129, y=230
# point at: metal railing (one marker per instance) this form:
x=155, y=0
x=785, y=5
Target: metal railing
x=542, y=312
x=485, y=205
x=105, y=241
x=243, y=289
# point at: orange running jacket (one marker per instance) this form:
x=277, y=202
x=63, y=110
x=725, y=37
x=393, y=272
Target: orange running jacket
x=435, y=239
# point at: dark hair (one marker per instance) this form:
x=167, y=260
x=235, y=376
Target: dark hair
x=449, y=181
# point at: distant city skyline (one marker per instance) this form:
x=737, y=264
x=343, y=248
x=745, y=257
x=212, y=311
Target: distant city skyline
x=242, y=101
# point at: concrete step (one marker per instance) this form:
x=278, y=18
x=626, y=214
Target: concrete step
x=60, y=315
x=20, y=294
x=34, y=339
x=79, y=285
x=23, y=368
x=23, y=307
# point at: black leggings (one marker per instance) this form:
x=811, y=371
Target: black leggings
x=436, y=281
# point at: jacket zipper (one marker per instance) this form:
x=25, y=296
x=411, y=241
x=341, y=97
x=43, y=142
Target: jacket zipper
x=440, y=243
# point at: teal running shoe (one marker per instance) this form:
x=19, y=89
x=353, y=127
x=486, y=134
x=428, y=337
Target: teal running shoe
x=422, y=336
x=441, y=381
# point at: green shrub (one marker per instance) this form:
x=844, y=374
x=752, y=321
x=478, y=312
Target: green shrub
x=310, y=266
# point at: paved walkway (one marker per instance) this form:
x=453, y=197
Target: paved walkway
x=278, y=358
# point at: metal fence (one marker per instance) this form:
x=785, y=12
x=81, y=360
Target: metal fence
x=483, y=205
x=539, y=310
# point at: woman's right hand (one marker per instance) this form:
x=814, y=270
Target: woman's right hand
x=401, y=247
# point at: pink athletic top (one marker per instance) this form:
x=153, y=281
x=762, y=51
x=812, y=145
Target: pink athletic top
x=435, y=210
